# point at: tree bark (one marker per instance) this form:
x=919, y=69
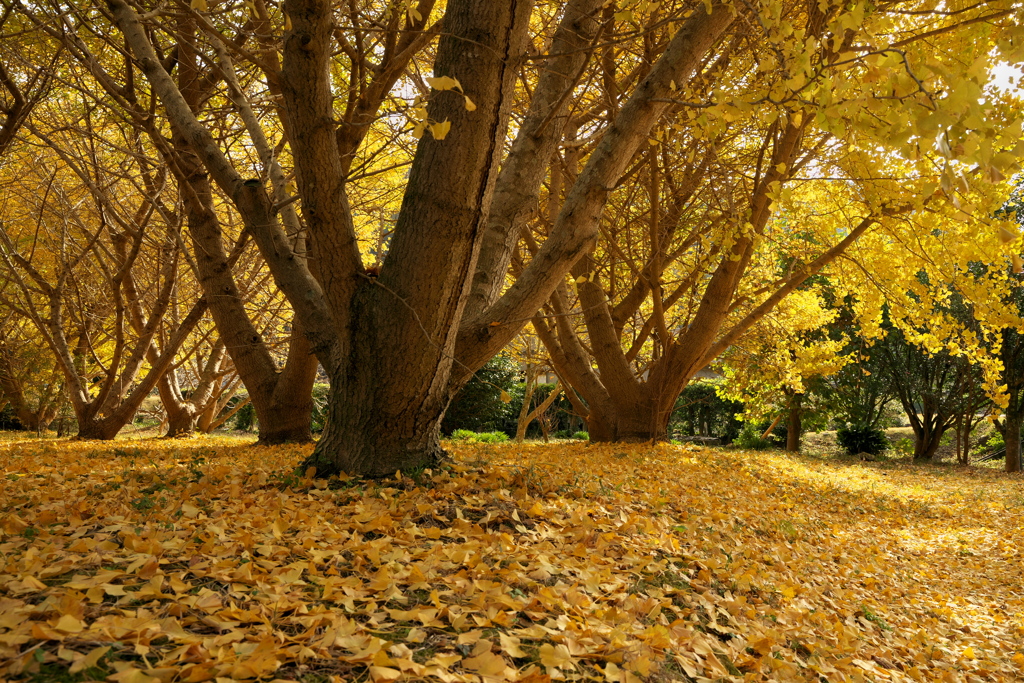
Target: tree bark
x=794, y=424
x=1011, y=436
x=526, y=416
x=927, y=442
x=281, y=399
x=388, y=396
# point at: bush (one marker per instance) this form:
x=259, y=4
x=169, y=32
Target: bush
x=463, y=435
x=468, y=436
x=993, y=443
x=245, y=418
x=904, y=447
x=491, y=437
x=700, y=411
x=750, y=438
x=479, y=407
x=582, y=436
x=862, y=439
x=318, y=418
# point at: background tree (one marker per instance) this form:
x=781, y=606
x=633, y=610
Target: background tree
x=85, y=249
x=742, y=182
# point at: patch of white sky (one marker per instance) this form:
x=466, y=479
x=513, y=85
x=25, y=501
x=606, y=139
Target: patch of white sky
x=1007, y=77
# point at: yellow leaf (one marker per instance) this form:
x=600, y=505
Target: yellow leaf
x=470, y=106
x=69, y=624
x=485, y=664
x=612, y=672
x=440, y=130
x=133, y=675
x=511, y=645
x=555, y=656
x=505, y=398
x=384, y=673
x=444, y=83
x=969, y=653
x=287, y=23
x=90, y=660
x=444, y=659
x=199, y=5
x=1006, y=235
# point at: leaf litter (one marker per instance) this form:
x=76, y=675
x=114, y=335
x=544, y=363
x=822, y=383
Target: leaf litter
x=209, y=559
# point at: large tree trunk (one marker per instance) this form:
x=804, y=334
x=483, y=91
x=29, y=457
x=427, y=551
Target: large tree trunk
x=388, y=396
x=181, y=420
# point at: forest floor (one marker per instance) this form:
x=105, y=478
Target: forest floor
x=157, y=561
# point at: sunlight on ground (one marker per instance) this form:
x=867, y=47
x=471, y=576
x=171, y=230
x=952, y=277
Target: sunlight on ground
x=155, y=560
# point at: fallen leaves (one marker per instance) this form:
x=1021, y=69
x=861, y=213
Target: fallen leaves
x=154, y=562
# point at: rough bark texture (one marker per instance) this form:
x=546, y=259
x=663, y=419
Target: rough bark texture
x=388, y=397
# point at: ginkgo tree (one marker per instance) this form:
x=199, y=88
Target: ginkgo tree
x=837, y=127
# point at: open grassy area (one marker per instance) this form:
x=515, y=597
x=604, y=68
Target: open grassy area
x=193, y=560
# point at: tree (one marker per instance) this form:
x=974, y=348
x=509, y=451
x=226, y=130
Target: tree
x=29, y=380
x=930, y=385
x=716, y=107
x=769, y=168
x=387, y=343
x=73, y=250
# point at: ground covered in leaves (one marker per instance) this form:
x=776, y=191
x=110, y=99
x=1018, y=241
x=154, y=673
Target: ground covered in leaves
x=164, y=561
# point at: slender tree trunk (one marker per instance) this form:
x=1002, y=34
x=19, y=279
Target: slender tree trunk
x=794, y=424
x=538, y=413
x=1012, y=438
x=524, y=410
x=101, y=430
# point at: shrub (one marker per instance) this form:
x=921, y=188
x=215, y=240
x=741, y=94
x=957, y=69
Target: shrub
x=245, y=418
x=904, y=446
x=468, y=436
x=993, y=443
x=750, y=438
x=318, y=418
x=582, y=436
x=700, y=411
x=491, y=437
x=479, y=407
x=463, y=435
x=862, y=439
